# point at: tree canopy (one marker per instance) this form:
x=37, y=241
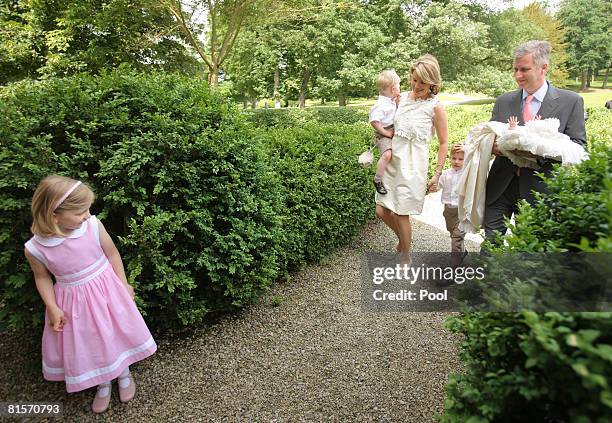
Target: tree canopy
x=298, y=49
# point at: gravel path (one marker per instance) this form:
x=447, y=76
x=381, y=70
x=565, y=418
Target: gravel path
x=305, y=352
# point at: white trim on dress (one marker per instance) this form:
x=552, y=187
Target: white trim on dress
x=73, y=380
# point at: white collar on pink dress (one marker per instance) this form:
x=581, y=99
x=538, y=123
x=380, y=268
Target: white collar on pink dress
x=54, y=241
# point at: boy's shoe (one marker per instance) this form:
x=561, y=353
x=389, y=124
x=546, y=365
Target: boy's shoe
x=457, y=258
x=127, y=394
x=380, y=187
x=100, y=404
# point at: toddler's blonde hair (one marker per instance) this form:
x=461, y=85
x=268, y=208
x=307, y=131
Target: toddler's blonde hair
x=49, y=191
x=427, y=69
x=386, y=79
x=456, y=149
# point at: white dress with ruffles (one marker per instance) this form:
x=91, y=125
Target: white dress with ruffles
x=406, y=174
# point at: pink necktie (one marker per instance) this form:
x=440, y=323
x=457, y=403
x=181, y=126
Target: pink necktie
x=527, y=109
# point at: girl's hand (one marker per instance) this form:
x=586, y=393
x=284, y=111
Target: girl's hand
x=56, y=318
x=130, y=290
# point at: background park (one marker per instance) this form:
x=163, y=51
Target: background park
x=221, y=140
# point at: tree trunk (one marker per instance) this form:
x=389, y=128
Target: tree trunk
x=605, y=81
x=589, y=77
x=583, y=80
x=305, y=79
x=277, y=99
x=253, y=102
x=342, y=100
x=213, y=75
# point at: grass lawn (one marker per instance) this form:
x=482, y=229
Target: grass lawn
x=593, y=97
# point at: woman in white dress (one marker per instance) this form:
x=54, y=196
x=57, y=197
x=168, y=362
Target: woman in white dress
x=419, y=115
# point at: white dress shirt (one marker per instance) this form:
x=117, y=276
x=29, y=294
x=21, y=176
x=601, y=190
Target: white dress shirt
x=448, y=182
x=383, y=111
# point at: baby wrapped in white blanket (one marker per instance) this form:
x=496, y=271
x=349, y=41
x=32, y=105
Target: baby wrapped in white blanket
x=540, y=138
x=537, y=138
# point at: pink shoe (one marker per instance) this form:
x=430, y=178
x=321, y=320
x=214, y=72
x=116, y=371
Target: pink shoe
x=127, y=394
x=100, y=404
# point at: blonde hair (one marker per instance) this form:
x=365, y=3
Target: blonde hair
x=456, y=149
x=49, y=191
x=386, y=79
x=427, y=69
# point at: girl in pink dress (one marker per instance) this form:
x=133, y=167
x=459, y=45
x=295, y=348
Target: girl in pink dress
x=93, y=330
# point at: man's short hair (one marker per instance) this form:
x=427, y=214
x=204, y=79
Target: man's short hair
x=539, y=49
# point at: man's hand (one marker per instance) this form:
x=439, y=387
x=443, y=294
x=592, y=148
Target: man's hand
x=526, y=154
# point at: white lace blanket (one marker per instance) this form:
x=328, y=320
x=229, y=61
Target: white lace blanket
x=538, y=137
x=541, y=138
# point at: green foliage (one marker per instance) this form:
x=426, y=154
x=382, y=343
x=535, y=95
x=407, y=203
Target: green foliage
x=457, y=41
x=206, y=209
x=288, y=118
x=39, y=39
x=554, y=33
x=532, y=367
x=486, y=80
x=551, y=366
x=460, y=120
x=588, y=37
x=326, y=196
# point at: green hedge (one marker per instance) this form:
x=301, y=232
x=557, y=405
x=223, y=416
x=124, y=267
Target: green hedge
x=199, y=201
x=292, y=117
x=327, y=195
x=549, y=366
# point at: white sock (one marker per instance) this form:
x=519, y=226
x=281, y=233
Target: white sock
x=124, y=381
x=104, y=389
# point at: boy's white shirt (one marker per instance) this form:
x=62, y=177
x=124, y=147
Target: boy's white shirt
x=383, y=111
x=448, y=183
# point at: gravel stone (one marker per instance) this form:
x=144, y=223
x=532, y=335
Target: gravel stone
x=306, y=352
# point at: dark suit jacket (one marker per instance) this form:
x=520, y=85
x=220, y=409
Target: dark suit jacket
x=564, y=105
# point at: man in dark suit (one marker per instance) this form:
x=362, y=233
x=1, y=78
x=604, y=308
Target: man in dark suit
x=508, y=183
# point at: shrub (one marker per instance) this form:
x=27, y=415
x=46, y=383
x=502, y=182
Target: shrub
x=289, y=118
x=327, y=197
x=532, y=367
x=549, y=366
x=180, y=185
x=206, y=209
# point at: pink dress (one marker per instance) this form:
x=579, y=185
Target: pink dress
x=104, y=331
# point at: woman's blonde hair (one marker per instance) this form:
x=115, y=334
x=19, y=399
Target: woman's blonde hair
x=386, y=79
x=427, y=69
x=49, y=191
